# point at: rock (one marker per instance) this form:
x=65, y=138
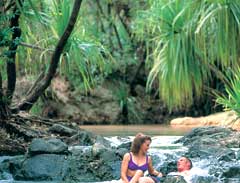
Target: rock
x=227, y=119
x=226, y=155
x=168, y=166
x=238, y=155
x=232, y=172
x=82, y=138
x=51, y=146
x=43, y=167
x=206, y=142
x=101, y=140
x=121, y=151
x=62, y=130
x=207, y=179
x=9, y=164
x=86, y=138
x=98, y=149
x=174, y=179
x=86, y=110
x=126, y=145
x=211, y=132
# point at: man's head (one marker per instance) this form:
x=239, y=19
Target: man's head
x=184, y=164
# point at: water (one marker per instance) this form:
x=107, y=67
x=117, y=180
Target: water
x=130, y=130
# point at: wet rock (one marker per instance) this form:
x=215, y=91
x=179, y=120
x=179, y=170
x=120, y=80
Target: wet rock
x=43, y=167
x=174, y=179
x=212, y=132
x=82, y=138
x=6, y=166
x=51, y=146
x=232, y=172
x=238, y=155
x=206, y=179
x=203, y=150
x=206, y=142
x=93, y=164
x=62, y=130
x=121, y=151
x=85, y=138
x=226, y=155
x=126, y=145
x=168, y=166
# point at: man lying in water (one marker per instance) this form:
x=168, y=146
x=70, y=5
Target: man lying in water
x=185, y=169
x=184, y=166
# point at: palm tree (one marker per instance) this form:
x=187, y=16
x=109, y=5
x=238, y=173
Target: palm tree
x=45, y=78
x=191, y=42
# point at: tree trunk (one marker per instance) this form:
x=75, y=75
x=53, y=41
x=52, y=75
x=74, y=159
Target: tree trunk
x=11, y=67
x=43, y=84
x=4, y=110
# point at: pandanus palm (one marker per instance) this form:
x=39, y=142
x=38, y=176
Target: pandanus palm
x=82, y=57
x=52, y=35
x=190, y=41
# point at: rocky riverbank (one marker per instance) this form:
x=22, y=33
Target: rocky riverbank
x=82, y=156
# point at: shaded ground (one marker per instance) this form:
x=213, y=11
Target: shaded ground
x=17, y=132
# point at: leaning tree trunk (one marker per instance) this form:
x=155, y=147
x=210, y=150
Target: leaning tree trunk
x=41, y=85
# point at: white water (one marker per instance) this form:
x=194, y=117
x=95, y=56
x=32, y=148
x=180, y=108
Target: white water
x=163, y=147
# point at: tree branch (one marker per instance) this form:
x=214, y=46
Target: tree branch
x=30, y=99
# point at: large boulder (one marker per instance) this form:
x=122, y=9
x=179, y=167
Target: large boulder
x=94, y=163
x=43, y=167
x=47, y=159
x=51, y=146
x=210, y=132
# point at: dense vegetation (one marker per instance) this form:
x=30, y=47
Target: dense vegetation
x=189, y=49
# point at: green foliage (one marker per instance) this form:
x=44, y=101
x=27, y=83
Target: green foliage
x=37, y=108
x=231, y=100
x=84, y=60
x=186, y=39
x=127, y=102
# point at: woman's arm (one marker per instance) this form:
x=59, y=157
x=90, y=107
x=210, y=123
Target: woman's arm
x=151, y=170
x=124, y=167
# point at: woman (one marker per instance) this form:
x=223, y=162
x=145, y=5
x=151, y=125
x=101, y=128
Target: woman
x=136, y=162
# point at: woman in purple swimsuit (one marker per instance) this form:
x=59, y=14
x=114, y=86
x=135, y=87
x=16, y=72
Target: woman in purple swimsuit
x=136, y=162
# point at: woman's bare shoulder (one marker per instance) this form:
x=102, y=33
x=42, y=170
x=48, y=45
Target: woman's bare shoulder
x=126, y=156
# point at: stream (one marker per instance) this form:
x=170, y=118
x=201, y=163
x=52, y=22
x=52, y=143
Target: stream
x=162, y=150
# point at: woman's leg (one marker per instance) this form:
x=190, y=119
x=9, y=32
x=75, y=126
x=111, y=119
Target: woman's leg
x=138, y=174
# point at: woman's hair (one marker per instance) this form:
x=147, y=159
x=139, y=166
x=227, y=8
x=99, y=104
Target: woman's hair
x=139, y=139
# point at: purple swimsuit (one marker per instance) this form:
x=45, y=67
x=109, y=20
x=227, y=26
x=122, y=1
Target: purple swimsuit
x=134, y=166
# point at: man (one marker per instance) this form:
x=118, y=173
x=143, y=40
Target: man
x=184, y=166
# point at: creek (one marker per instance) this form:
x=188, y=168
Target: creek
x=162, y=148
